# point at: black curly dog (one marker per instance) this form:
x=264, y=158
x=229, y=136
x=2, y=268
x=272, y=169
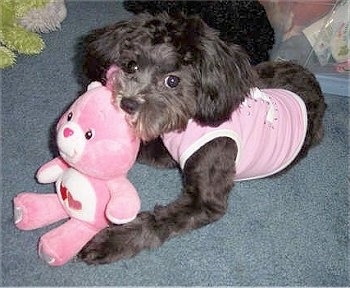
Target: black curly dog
x=172, y=70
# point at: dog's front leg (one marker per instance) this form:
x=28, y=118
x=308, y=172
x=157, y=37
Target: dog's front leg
x=154, y=153
x=208, y=178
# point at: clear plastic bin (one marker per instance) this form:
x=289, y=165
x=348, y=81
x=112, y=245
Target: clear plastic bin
x=314, y=33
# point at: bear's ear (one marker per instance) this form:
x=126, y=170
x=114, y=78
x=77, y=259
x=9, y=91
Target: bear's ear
x=111, y=76
x=93, y=85
x=224, y=77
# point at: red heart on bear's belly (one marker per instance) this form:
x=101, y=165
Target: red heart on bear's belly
x=63, y=191
x=72, y=203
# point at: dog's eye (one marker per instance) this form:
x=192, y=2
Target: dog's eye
x=89, y=134
x=70, y=116
x=171, y=81
x=131, y=67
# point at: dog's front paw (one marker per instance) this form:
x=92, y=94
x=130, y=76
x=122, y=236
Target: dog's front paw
x=102, y=248
x=120, y=242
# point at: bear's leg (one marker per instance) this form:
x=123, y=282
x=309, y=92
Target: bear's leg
x=33, y=210
x=61, y=244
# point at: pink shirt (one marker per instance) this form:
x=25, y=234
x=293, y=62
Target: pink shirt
x=269, y=129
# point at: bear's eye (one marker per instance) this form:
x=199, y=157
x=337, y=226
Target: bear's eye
x=171, y=81
x=89, y=134
x=70, y=116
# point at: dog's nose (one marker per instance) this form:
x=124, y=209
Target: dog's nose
x=129, y=105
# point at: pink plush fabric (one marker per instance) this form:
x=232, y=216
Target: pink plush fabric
x=97, y=148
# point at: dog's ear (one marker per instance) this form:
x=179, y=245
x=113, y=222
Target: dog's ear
x=224, y=78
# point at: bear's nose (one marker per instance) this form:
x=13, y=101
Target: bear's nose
x=67, y=132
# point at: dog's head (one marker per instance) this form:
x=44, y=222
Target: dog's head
x=170, y=70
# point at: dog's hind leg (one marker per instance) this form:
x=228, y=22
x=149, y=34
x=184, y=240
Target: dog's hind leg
x=291, y=76
x=208, y=179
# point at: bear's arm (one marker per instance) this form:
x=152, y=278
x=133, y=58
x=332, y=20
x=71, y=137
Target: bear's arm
x=124, y=204
x=51, y=171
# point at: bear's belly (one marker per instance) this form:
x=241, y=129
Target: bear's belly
x=77, y=195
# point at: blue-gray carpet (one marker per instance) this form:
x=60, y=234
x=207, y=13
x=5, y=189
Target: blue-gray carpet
x=290, y=230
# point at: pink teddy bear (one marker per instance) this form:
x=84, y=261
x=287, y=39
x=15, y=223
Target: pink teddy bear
x=97, y=148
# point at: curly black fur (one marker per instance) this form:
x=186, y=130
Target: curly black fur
x=211, y=79
x=244, y=23
x=181, y=46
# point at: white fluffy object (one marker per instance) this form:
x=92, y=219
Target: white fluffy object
x=45, y=19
